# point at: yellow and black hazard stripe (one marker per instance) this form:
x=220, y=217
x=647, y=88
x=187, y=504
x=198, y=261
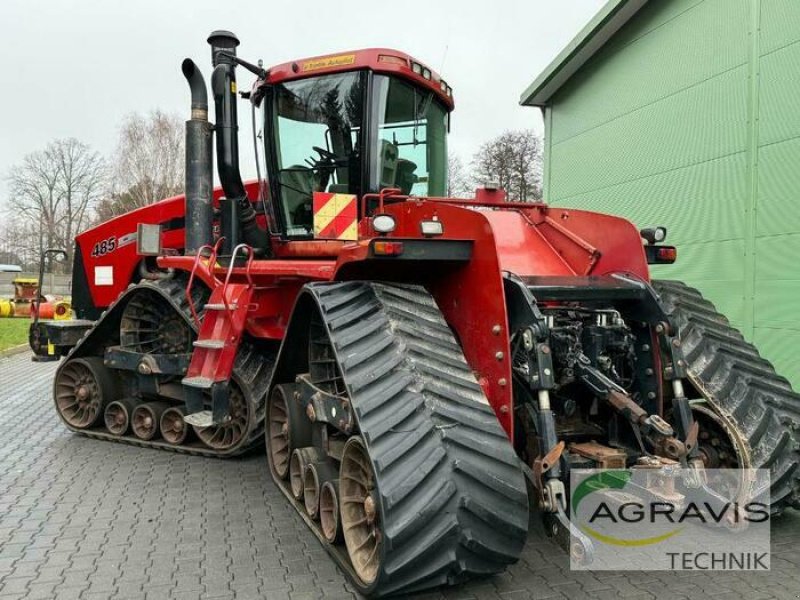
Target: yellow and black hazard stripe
x=335, y=216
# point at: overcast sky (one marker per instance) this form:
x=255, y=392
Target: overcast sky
x=74, y=68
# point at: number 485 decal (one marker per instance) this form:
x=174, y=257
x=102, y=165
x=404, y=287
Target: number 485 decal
x=105, y=246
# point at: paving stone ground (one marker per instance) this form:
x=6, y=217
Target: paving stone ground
x=87, y=519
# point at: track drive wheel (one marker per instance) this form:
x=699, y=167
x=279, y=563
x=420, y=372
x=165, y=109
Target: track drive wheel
x=287, y=429
x=83, y=387
x=360, y=516
x=228, y=434
x=150, y=324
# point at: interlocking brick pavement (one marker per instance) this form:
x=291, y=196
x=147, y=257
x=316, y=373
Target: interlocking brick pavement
x=87, y=519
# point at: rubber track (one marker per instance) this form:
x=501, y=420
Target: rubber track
x=453, y=498
x=252, y=368
x=732, y=374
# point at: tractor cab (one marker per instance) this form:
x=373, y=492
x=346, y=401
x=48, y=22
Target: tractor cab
x=334, y=128
x=351, y=124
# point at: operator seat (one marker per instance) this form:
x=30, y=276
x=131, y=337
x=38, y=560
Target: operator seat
x=387, y=168
x=405, y=177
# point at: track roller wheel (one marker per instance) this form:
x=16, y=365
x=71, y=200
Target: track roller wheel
x=230, y=433
x=83, y=387
x=360, y=515
x=301, y=458
x=173, y=429
x=314, y=477
x=329, y=512
x=288, y=428
x=118, y=416
x=145, y=419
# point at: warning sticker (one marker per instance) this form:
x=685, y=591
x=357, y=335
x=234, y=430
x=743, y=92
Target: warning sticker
x=329, y=61
x=104, y=276
x=335, y=216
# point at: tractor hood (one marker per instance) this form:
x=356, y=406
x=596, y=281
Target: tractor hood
x=545, y=241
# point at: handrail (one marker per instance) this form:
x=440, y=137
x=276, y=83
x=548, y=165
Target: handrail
x=384, y=193
x=230, y=271
x=211, y=261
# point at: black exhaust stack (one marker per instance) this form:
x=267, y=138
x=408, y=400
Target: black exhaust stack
x=198, y=179
x=238, y=218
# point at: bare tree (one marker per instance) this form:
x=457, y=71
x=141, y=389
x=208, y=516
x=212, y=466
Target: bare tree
x=21, y=242
x=459, y=182
x=116, y=203
x=83, y=177
x=514, y=161
x=53, y=193
x=148, y=163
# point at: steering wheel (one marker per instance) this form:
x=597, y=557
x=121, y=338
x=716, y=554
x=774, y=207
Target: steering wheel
x=323, y=153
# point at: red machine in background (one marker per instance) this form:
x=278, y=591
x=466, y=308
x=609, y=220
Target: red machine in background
x=409, y=358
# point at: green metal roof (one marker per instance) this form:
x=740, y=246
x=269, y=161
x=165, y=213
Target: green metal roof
x=591, y=38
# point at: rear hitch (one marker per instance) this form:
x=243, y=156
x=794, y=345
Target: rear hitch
x=555, y=520
x=568, y=537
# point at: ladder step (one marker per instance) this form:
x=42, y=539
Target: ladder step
x=198, y=382
x=231, y=305
x=199, y=419
x=209, y=344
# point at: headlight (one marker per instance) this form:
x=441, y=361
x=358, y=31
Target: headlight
x=654, y=235
x=383, y=223
x=430, y=228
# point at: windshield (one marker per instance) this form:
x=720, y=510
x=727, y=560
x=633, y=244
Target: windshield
x=410, y=144
x=318, y=126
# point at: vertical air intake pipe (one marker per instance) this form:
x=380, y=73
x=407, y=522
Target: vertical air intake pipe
x=238, y=214
x=198, y=182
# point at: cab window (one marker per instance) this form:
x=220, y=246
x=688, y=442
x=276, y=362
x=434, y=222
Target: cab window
x=318, y=125
x=409, y=146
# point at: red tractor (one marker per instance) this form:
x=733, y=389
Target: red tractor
x=410, y=359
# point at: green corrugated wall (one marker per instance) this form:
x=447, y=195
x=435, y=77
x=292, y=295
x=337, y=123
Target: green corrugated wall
x=690, y=118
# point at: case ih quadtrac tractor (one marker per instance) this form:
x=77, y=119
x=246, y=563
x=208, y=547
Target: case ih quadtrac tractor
x=424, y=370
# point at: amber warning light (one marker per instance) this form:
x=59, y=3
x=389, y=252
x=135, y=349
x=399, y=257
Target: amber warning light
x=385, y=248
x=660, y=255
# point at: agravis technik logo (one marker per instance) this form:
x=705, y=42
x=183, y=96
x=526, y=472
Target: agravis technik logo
x=670, y=518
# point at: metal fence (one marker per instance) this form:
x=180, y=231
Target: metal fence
x=53, y=283
x=12, y=254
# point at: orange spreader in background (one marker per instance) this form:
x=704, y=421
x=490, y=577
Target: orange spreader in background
x=335, y=216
